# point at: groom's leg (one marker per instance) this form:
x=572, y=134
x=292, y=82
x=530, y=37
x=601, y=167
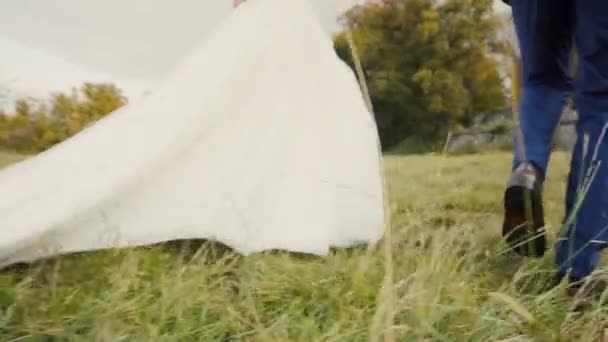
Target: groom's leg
x=578, y=251
x=544, y=30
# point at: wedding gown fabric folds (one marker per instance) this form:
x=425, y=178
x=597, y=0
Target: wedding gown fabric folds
x=260, y=140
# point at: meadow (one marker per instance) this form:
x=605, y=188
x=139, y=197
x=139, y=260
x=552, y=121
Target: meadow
x=441, y=276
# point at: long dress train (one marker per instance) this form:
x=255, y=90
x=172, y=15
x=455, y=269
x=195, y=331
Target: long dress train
x=260, y=140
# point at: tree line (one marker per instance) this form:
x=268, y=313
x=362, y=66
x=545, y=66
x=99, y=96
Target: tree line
x=36, y=126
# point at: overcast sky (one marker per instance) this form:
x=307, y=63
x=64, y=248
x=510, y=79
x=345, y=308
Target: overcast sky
x=137, y=39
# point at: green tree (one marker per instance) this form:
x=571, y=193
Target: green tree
x=430, y=65
x=73, y=112
x=3, y=128
x=34, y=128
x=99, y=100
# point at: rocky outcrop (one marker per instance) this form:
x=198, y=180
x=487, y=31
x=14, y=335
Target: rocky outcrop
x=495, y=131
x=565, y=136
x=490, y=130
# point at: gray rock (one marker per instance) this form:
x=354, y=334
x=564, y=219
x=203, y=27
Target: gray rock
x=494, y=130
x=565, y=135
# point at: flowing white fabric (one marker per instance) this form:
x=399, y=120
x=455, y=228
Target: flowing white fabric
x=260, y=140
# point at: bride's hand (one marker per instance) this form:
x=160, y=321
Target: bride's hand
x=236, y=3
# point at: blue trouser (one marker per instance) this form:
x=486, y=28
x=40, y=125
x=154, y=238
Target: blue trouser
x=546, y=30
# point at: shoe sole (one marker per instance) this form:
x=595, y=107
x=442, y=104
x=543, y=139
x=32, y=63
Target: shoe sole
x=525, y=236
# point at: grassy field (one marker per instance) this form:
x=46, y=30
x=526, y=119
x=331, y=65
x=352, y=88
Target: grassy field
x=7, y=159
x=450, y=281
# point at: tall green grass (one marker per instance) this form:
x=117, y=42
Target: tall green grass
x=450, y=282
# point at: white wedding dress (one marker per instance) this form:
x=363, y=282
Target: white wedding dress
x=260, y=140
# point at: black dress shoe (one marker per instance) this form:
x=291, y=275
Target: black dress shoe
x=582, y=291
x=586, y=289
x=524, y=223
x=585, y=292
